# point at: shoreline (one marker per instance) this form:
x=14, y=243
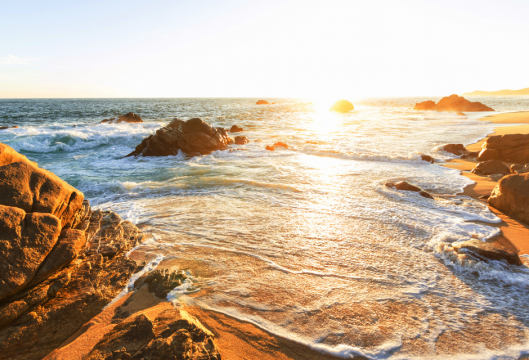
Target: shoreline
x=513, y=233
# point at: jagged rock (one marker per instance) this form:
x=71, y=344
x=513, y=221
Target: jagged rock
x=262, y=102
x=342, y=106
x=456, y=149
x=427, y=158
x=488, y=154
x=452, y=103
x=174, y=334
x=511, y=196
x=161, y=282
x=425, y=105
x=480, y=250
x=25, y=241
x=24, y=185
x=241, y=140
x=236, y=128
x=193, y=137
x=491, y=167
x=403, y=185
x=129, y=117
x=512, y=148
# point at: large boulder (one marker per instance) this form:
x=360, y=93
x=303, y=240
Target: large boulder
x=129, y=118
x=482, y=250
x=512, y=148
x=488, y=154
x=491, y=167
x=342, y=106
x=24, y=185
x=452, y=103
x=193, y=137
x=511, y=196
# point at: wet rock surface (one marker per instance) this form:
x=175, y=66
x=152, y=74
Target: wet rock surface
x=453, y=103
x=456, y=149
x=511, y=196
x=129, y=118
x=342, y=106
x=512, y=148
x=427, y=158
x=161, y=282
x=241, y=140
x=403, y=185
x=482, y=250
x=193, y=137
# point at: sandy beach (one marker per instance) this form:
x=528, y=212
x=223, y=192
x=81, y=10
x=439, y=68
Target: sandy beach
x=514, y=235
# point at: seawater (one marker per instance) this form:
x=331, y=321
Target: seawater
x=305, y=242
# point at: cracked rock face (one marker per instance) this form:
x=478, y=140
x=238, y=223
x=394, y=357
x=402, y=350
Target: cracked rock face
x=193, y=137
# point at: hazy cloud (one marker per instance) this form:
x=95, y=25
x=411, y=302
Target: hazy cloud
x=15, y=60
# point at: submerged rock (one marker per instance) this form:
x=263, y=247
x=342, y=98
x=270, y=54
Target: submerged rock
x=427, y=158
x=403, y=185
x=129, y=118
x=241, y=140
x=512, y=148
x=193, y=137
x=262, y=102
x=456, y=149
x=236, y=128
x=511, y=196
x=342, y=106
x=453, y=103
x=480, y=250
x=491, y=167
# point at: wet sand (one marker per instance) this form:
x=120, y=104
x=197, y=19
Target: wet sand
x=514, y=235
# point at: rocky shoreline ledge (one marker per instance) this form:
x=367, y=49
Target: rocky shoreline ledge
x=61, y=263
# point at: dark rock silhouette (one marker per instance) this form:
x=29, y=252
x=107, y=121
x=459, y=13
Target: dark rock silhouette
x=129, y=117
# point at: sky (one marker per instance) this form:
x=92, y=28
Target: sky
x=247, y=48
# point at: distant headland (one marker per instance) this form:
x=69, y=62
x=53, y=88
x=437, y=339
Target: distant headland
x=498, y=93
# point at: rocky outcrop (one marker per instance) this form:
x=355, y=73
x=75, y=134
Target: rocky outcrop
x=342, y=106
x=511, y=196
x=161, y=282
x=488, y=154
x=193, y=137
x=173, y=334
x=512, y=148
x=456, y=149
x=483, y=251
x=491, y=167
x=236, y=128
x=262, y=102
x=129, y=118
x=403, y=185
x=452, y=103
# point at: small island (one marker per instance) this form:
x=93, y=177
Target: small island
x=499, y=93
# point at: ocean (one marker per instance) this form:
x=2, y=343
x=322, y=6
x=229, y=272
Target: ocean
x=305, y=242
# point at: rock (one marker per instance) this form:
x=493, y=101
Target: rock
x=270, y=147
x=511, y=196
x=519, y=169
x=488, y=154
x=24, y=185
x=496, y=177
x=193, y=137
x=512, y=148
x=280, y=144
x=129, y=118
x=342, y=106
x=241, y=140
x=26, y=240
x=425, y=105
x=262, y=102
x=235, y=128
x=427, y=158
x=456, y=149
x=8, y=127
x=481, y=250
x=452, y=103
x=173, y=334
x=403, y=185
x=470, y=155
x=484, y=197
x=161, y=282
x=491, y=167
